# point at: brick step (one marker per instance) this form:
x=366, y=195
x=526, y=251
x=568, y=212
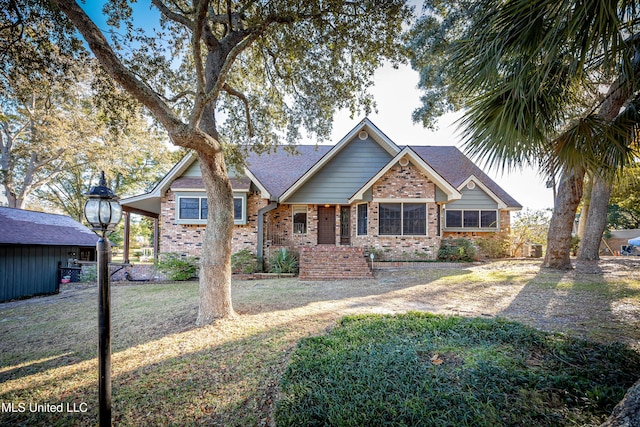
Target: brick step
x=333, y=262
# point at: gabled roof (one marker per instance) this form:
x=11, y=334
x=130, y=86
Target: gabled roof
x=192, y=183
x=24, y=227
x=149, y=203
x=457, y=168
x=424, y=167
x=279, y=174
x=280, y=170
x=364, y=126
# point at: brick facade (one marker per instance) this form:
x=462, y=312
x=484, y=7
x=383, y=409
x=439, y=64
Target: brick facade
x=187, y=239
x=279, y=227
x=401, y=183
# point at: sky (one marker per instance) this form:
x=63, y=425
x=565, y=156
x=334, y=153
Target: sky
x=396, y=95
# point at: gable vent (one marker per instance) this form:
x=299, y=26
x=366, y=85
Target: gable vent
x=471, y=185
x=363, y=135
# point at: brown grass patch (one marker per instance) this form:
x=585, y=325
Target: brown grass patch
x=166, y=371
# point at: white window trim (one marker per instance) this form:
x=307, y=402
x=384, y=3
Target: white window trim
x=424, y=200
x=463, y=228
x=293, y=225
x=190, y=221
x=243, y=219
x=402, y=203
x=203, y=221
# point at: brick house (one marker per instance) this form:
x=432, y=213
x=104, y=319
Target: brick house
x=364, y=194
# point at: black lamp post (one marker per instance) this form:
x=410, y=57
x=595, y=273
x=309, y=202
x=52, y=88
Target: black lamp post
x=103, y=212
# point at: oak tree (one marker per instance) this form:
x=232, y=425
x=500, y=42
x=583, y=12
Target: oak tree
x=223, y=77
x=38, y=94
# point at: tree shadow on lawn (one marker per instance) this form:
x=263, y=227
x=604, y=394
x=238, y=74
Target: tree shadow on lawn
x=226, y=374
x=45, y=333
x=263, y=296
x=583, y=302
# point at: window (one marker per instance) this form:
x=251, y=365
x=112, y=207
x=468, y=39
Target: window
x=489, y=219
x=471, y=219
x=457, y=218
x=414, y=219
x=240, y=208
x=454, y=218
x=390, y=221
x=402, y=219
x=194, y=210
x=190, y=208
x=363, y=215
x=299, y=220
x=204, y=208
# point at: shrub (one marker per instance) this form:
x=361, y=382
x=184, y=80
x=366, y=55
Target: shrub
x=284, y=261
x=243, y=262
x=178, y=267
x=457, y=250
x=378, y=253
x=494, y=247
x=575, y=245
x=89, y=273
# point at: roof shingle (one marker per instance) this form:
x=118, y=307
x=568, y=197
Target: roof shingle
x=24, y=227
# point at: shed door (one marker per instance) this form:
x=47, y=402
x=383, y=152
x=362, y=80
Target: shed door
x=326, y=225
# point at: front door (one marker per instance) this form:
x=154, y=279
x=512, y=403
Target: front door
x=345, y=227
x=326, y=225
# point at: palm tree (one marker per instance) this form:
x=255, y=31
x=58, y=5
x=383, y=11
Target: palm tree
x=535, y=73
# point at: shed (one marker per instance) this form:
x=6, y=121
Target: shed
x=33, y=245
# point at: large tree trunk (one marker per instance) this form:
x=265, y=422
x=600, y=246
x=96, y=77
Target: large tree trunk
x=215, y=263
x=561, y=227
x=619, y=92
x=586, y=203
x=596, y=220
x=627, y=411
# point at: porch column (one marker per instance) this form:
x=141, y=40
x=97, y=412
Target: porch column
x=127, y=236
x=156, y=239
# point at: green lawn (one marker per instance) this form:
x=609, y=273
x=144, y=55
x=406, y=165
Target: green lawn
x=168, y=372
x=421, y=369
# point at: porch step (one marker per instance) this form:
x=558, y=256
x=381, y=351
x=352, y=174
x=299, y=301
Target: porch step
x=333, y=262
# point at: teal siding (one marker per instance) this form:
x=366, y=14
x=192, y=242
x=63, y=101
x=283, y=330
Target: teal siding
x=345, y=174
x=193, y=170
x=441, y=196
x=30, y=270
x=473, y=199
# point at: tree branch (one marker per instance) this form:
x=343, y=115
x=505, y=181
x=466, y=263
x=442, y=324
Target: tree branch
x=114, y=67
x=239, y=41
x=171, y=15
x=231, y=91
x=201, y=14
x=179, y=95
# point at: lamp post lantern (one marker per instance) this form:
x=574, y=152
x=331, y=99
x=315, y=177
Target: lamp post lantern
x=103, y=212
